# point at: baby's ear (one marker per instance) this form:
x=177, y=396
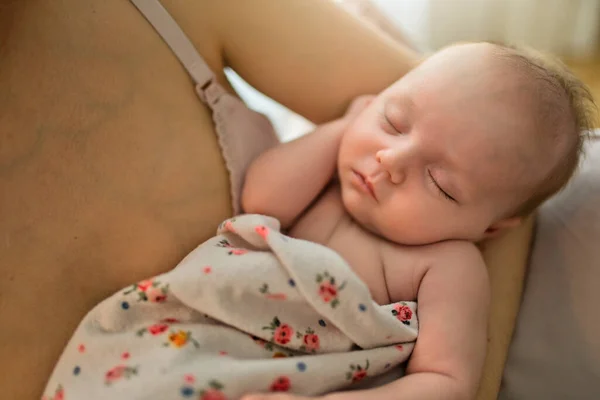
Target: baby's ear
x=500, y=226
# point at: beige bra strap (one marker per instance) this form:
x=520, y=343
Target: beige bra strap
x=176, y=39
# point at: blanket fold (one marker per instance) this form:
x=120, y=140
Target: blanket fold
x=250, y=310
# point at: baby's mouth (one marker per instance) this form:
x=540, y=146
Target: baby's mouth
x=366, y=183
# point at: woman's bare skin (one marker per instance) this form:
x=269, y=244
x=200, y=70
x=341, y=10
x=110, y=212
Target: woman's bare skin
x=110, y=171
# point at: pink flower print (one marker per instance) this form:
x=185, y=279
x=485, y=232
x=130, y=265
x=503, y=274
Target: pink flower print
x=59, y=394
x=311, y=342
x=264, y=289
x=144, y=285
x=157, y=295
x=283, y=334
x=357, y=372
x=207, y=269
x=81, y=348
x=276, y=296
x=328, y=289
x=114, y=373
x=403, y=313
x=237, y=252
x=281, y=384
x=262, y=230
x=213, y=392
x=399, y=347
x=189, y=378
x=154, y=330
x=359, y=375
x=125, y=355
x=228, y=226
x=149, y=290
x=119, y=372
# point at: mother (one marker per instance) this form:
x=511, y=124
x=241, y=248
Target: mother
x=110, y=170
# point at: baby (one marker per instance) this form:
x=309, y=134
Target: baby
x=402, y=186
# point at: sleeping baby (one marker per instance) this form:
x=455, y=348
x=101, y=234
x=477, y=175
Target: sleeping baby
x=357, y=255
x=462, y=147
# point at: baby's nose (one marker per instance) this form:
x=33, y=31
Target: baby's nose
x=390, y=163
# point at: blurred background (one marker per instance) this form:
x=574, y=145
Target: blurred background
x=569, y=29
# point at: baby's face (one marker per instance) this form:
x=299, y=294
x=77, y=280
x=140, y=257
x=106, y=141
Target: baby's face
x=440, y=154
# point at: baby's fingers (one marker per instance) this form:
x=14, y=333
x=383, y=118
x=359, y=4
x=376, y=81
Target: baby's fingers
x=358, y=105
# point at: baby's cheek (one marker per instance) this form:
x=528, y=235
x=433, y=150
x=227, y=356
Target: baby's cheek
x=405, y=225
x=350, y=198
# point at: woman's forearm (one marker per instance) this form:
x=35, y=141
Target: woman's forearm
x=285, y=180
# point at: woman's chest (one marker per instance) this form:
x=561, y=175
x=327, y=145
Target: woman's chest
x=110, y=172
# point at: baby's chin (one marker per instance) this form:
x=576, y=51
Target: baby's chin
x=358, y=210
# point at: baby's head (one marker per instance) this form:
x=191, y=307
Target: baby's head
x=466, y=144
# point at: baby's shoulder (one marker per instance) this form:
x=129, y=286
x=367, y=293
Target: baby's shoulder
x=453, y=251
x=405, y=266
x=436, y=253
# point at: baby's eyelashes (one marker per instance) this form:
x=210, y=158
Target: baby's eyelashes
x=387, y=125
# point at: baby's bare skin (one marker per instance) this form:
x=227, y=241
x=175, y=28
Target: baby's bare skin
x=391, y=271
x=402, y=187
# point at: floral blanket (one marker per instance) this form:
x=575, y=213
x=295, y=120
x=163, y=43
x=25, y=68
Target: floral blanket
x=250, y=310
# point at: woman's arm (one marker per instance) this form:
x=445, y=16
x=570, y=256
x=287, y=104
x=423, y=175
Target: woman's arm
x=309, y=55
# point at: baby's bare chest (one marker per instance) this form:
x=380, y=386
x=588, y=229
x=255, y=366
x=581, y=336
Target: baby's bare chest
x=387, y=269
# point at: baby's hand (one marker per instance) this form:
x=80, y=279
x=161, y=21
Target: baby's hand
x=358, y=105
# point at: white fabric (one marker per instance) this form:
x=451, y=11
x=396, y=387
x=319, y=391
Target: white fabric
x=250, y=310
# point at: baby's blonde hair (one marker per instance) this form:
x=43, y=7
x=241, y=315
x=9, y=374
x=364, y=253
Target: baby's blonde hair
x=567, y=97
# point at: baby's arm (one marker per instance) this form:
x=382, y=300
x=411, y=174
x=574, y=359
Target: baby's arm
x=453, y=298
x=286, y=179
x=283, y=181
